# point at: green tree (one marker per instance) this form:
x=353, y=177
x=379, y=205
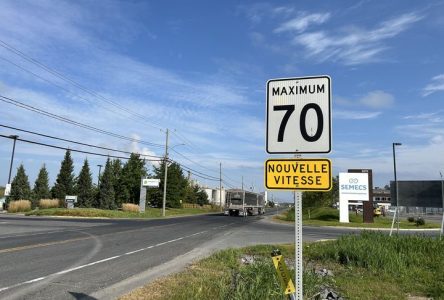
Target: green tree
x=116, y=167
x=84, y=188
x=322, y=199
x=106, y=197
x=41, y=187
x=20, y=188
x=129, y=180
x=201, y=197
x=65, y=179
x=176, y=186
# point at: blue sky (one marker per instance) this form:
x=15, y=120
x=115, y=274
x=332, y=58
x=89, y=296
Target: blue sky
x=201, y=67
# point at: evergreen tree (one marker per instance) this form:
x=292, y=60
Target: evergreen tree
x=106, y=197
x=116, y=167
x=20, y=188
x=84, y=187
x=201, y=197
x=129, y=180
x=65, y=179
x=176, y=186
x=41, y=187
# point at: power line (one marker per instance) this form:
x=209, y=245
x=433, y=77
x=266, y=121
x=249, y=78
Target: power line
x=72, y=150
x=76, y=84
x=69, y=121
x=74, y=142
x=53, y=83
x=209, y=177
x=192, y=161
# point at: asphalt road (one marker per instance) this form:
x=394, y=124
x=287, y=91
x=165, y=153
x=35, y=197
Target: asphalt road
x=55, y=258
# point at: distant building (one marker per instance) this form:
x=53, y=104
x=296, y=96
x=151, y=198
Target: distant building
x=381, y=197
x=214, y=195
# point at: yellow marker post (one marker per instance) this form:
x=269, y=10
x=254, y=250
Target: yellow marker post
x=282, y=272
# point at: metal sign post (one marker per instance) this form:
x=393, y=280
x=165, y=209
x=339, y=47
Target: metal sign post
x=298, y=244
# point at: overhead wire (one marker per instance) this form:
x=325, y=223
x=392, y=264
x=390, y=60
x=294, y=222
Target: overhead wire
x=75, y=142
x=75, y=83
x=66, y=148
x=69, y=121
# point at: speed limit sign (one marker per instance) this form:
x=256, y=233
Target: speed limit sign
x=299, y=115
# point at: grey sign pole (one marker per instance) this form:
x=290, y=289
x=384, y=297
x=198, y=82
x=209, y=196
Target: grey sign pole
x=442, y=195
x=298, y=244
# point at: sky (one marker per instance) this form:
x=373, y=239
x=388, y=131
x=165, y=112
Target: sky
x=200, y=68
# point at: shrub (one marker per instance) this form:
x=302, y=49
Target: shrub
x=49, y=203
x=19, y=206
x=411, y=219
x=420, y=221
x=130, y=207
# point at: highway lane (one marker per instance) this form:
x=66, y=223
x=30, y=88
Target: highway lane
x=55, y=258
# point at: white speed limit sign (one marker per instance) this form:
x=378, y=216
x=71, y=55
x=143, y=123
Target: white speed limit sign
x=299, y=115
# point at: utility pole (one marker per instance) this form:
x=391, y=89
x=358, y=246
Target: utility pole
x=15, y=137
x=98, y=177
x=220, y=185
x=242, y=182
x=166, y=175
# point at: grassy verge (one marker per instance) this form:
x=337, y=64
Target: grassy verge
x=101, y=213
x=368, y=266
x=326, y=216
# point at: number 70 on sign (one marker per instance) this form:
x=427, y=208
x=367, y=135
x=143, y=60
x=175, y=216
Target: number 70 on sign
x=299, y=115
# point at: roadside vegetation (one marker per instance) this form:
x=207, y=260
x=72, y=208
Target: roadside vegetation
x=118, y=187
x=106, y=213
x=327, y=216
x=366, y=266
x=20, y=206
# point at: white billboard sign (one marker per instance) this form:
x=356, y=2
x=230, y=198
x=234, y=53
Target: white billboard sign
x=353, y=186
x=8, y=189
x=149, y=182
x=299, y=115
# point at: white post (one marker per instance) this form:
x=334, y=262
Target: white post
x=393, y=222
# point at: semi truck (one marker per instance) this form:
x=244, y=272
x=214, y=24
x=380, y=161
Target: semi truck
x=244, y=203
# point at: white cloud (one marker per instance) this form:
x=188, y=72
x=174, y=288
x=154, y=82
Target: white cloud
x=354, y=45
x=355, y=115
x=302, y=22
x=437, y=85
x=377, y=100
x=431, y=117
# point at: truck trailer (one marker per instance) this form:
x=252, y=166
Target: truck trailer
x=244, y=203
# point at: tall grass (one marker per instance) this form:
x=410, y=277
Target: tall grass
x=414, y=262
x=48, y=203
x=130, y=207
x=19, y=206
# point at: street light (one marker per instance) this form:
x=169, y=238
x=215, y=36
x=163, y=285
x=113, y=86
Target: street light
x=98, y=177
x=396, y=186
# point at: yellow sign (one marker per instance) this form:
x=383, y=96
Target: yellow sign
x=303, y=174
x=283, y=274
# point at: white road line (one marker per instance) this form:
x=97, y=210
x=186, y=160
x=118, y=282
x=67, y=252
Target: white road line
x=100, y=261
